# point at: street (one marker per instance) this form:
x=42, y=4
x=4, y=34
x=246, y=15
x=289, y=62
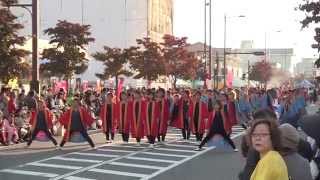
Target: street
x=174, y=160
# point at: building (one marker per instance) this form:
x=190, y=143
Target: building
x=114, y=23
x=306, y=68
x=280, y=56
x=234, y=70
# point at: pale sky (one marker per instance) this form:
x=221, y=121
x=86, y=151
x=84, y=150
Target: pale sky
x=262, y=16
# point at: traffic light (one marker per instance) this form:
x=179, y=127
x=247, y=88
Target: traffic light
x=243, y=76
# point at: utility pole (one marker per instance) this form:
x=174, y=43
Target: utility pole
x=210, y=33
x=224, y=51
x=205, y=42
x=35, y=54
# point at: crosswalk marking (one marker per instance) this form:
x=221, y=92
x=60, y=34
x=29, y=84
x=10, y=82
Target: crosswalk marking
x=113, y=150
x=93, y=154
x=163, y=154
x=151, y=159
x=55, y=166
x=176, y=150
x=76, y=159
x=31, y=173
x=181, y=145
x=136, y=165
x=105, y=171
x=77, y=178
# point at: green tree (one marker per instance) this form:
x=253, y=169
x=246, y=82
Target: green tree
x=114, y=60
x=312, y=12
x=179, y=63
x=12, y=62
x=261, y=71
x=68, y=56
x=148, y=60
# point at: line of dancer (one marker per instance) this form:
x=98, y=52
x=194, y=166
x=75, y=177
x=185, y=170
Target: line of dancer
x=146, y=114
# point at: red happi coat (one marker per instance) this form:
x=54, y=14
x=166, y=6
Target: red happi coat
x=124, y=116
x=151, y=123
x=34, y=119
x=231, y=114
x=137, y=123
x=163, y=106
x=114, y=116
x=203, y=115
x=224, y=118
x=65, y=120
x=178, y=120
x=11, y=106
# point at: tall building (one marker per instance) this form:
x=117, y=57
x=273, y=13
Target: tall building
x=114, y=23
x=306, y=68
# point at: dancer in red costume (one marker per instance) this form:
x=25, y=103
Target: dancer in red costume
x=108, y=115
x=163, y=105
x=76, y=119
x=198, y=113
x=41, y=120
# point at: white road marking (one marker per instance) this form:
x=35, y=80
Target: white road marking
x=115, y=150
x=175, y=150
x=163, y=154
x=97, y=155
x=54, y=166
x=77, y=178
x=31, y=173
x=76, y=159
x=183, y=161
x=151, y=159
x=136, y=165
x=181, y=145
x=105, y=171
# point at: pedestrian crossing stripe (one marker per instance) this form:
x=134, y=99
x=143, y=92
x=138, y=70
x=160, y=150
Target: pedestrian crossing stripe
x=94, y=154
x=136, y=165
x=54, y=166
x=163, y=154
x=76, y=159
x=31, y=173
x=151, y=159
x=121, y=173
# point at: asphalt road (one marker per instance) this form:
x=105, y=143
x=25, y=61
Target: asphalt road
x=175, y=160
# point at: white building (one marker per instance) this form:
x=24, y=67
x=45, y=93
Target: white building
x=306, y=68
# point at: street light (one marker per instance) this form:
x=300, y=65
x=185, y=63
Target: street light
x=224, y=47
x=34, y=84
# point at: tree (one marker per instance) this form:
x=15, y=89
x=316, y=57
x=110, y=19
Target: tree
x=68, y=57
x=114, y=60
x=261, y=71
x=148, y=60
x=12, y=62
x=179, y=63
x=312, y=12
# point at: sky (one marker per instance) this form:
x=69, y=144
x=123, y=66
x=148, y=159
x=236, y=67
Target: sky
x=277, y=19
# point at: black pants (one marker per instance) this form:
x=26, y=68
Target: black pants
x=199, y=136
x=186, y=129
x=212, y=133
x=151, y=139
x=138, y=139
x=161, y=138
x=84, y=134
x=108, y=133
x=48, y=134
x=125, y=137
x=109, y=130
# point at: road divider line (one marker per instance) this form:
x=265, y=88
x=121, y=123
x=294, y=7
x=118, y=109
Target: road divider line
x=114, y=150
x=31, y=173
x=77, y=178
x=163, y=154
x=151, y=159
x=97, y=155
x=105, y=171
x=76, y=159
x=55, y=166
x=175, y=150
x=136, y=165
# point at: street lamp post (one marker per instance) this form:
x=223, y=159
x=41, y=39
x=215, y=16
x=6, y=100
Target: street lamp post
x=34, y=84
x=224, y=48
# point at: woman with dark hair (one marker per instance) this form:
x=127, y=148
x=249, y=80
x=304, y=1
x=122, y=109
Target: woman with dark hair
x=217, y=127
x=265, y=137
x=124, y=119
